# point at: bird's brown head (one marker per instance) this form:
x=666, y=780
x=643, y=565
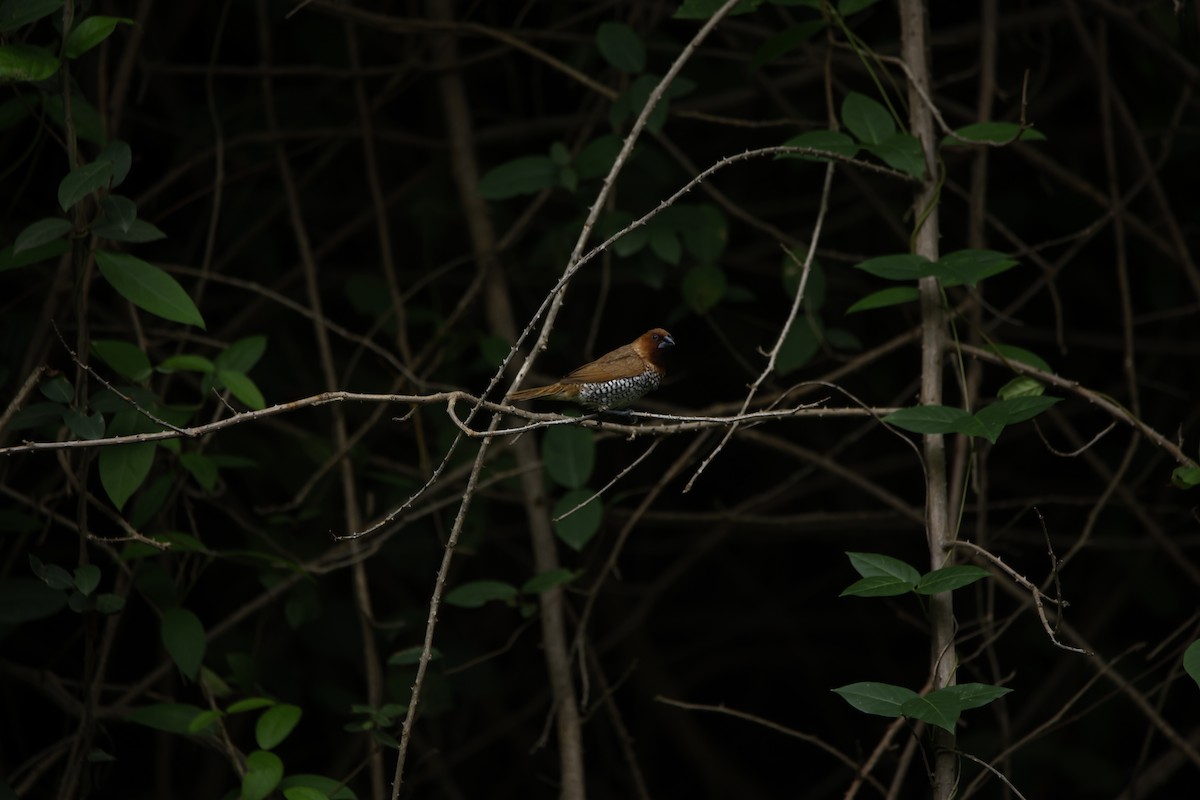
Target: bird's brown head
x=653, y=344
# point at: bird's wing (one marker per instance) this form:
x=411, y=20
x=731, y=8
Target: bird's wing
x=621, y=363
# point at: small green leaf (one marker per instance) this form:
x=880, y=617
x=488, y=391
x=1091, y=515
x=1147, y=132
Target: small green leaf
x=877, y=586
x=169, y=717
x=547, y=580
x=524, y=175
x=802, y=342
x=569, y=455
x=839, y=144
x=19, y=13
x=1185, y=477
x=971, y=266
x=243, y=354
x=202, y=468
x=478, y=593
x=1021, y=386
x=1020, y=409
x=126, y=359
x=870, y=565
x=276, y=724
x=578, y=527
x=263, y=772
x=703, y=287
x=304, y=793
x=974, y=695
x=411, y=655
x=91, y=32
x=898, y=267
x=930, y=419
x=597, y=157
x=988, y=422
x=947, y=579
x=935, y=709
x=26, y=63
x=121, y=156
x=996, y=133
x=82, y=181
x=183, y=636
x=882, y=699
x=58, y=389
x=887, y=297
x=139, y=231
x=326, y=788
x=901, y=151
x=250, y=704
x=188, y=363
x=13, y=260
x=867, y=119
x=242, y=387
x=203, y=721
x=123, y=468
x=621, y=47
x=1191, y=661
x=26, y=600
x=119, y=210
x=1021, y=355
x=148, y=287
x=41, y=232
x=55, y=576
x=87, y=578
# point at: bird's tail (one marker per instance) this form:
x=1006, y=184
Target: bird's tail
x=553, y=390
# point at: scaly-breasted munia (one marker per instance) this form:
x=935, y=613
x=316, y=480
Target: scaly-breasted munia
x=614, y=379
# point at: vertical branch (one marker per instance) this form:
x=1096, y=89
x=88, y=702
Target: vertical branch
x=914, y=44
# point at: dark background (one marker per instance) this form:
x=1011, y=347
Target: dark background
x=727, y=594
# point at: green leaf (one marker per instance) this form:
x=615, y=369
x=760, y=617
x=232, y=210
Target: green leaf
x=930, y=419
x=901, y=151
x=202, y=468
x=58, y=389
x=988, y=422
x=250, y=704
x=947, y=579
x=1021, y=386
x=26, y=63
x=703, y=287
x=478, y=593
x=119, y=210
x=1191, y=660
x=1021, y=355
x=569, y=455
x=934, y=708
x=275, y=724
x=1185, y=477
x=90, y=32
x=19, y=13
x=55, y=576
x=998, y=133
x=867, y=119
x=183, y=636
x=801, y=344
x=621, y=47
x=578, y=528
x=898, y=267
x=82, y=181
x=242, y=387
x=139, y=231
x=121, y=156
x=123, y=468
x=638, y=95
x=148, y=287
x=108, y=603
x=304, y=793
x=834, y=142
x=870, y=565
x=325, y=787
x=87, y=578
x=188, y=363
x=126, y=359
x=547, y=580
x=597, y=157
x=13, y=260
x=524, y=175
x=882, y=699
x=263, y=772
x=877, y=586
x=971, y=266
x=973, y=695
x=26, y=599
x=169, y=717
x=666, y=245
x=783, y=43
x=887, y=297
x=203, y=721
x=41, y=232
x=1020, y=409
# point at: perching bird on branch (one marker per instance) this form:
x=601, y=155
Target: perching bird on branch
x=614, y=379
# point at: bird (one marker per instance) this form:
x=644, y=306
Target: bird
x=613, y=380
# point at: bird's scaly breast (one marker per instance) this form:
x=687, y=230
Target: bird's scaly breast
x=618, y=391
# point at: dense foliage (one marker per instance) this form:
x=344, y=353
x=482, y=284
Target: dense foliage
x=263, y=259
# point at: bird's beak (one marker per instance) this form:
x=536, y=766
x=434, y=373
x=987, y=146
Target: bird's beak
x=667, y=341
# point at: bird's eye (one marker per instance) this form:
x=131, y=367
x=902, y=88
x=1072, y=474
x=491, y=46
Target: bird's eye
x=655, y=337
